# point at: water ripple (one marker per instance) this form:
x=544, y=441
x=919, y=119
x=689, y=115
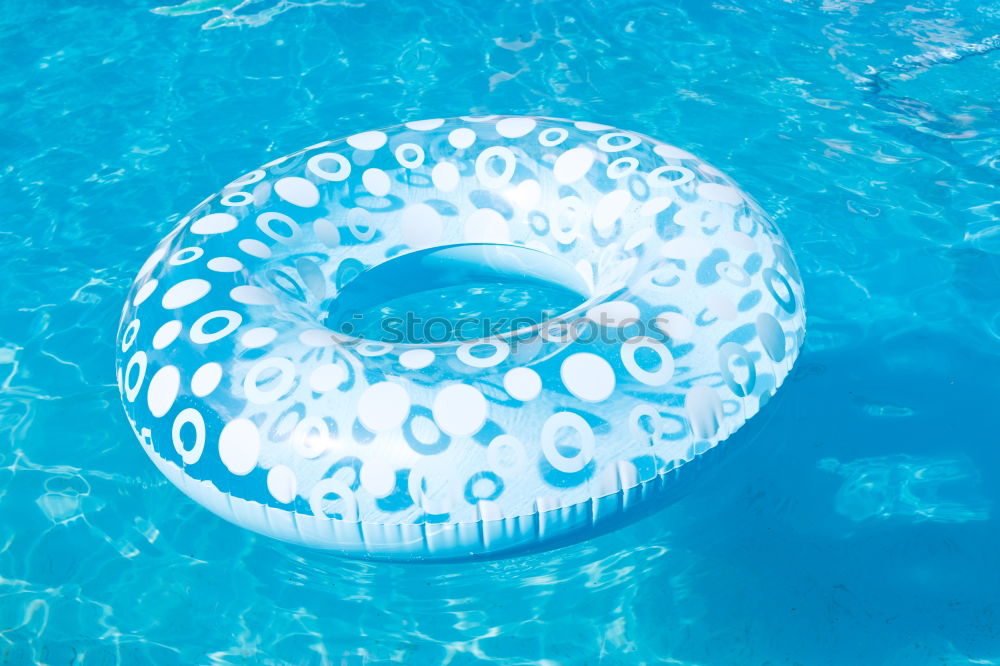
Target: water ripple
x=869, y=129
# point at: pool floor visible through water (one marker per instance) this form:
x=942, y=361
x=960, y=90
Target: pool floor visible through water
x=456, y=292
x=864, y=531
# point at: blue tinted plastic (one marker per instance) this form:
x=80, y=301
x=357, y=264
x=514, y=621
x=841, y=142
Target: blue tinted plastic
x=678, y=312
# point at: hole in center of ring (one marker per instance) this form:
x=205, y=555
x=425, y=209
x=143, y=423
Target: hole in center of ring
x=456, y=293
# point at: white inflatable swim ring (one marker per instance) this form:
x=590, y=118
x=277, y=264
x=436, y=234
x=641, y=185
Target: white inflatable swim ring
x=293, y=355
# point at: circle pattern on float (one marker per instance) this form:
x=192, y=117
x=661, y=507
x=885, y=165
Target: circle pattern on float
x=245, y=400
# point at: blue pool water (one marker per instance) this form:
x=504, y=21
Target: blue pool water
x=866, y=534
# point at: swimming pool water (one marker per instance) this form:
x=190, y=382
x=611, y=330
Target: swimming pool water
x=867, y=534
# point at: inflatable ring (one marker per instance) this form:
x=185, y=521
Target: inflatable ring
x=456, y=338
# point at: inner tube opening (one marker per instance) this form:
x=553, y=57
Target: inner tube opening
x=456, y=292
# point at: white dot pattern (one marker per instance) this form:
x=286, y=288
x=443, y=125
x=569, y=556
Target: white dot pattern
x=228, y=373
